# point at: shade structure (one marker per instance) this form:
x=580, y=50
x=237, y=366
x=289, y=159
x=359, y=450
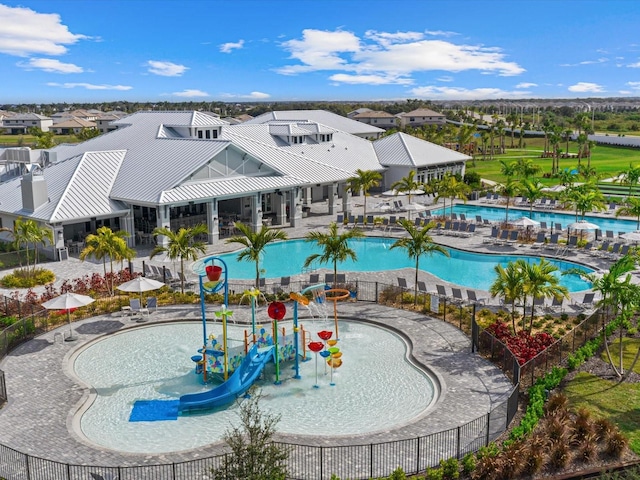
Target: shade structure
x=554, y=189
x=139, y=285
x=414, y=207
x=394, y=193
x=67, y=302
x=631, y=236
x=583, y=225
x=526, y=222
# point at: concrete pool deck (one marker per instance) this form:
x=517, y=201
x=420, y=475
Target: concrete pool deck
x=44, y=397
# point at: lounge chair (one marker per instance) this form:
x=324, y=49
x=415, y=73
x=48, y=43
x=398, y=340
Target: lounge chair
x=538, y=302
x=314, y=278
x=587, y=301
x=473, y=298
x=422, y=287
x=402, y=283
x=539, y=241
x=456, y=294
x=329, y=278
x=441, y=291
x=341, y=279
x=556, y=305
x=152, y=303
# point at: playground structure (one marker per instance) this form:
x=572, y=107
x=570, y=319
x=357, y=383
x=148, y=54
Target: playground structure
x=240, y=366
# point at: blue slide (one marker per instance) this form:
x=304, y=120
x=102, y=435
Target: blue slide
x=239, y=382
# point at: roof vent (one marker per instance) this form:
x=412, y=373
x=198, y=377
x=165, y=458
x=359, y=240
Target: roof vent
x=34, y=190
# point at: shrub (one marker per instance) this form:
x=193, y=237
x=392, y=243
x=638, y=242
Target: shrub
x=533, y=455
x=560, y=454
x=468, y=463
x=603, y=428
x=556, y=402
x=20, y=278
x=8, y=321
x=615, y=445
x=433, y=474
x=588, y=447
x=450, y=469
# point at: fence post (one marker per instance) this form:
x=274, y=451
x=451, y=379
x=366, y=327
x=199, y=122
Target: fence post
x=173, y=470
x=68, y=465
x=321, y=461
x=486, y=443
x=458, y=441
x=376, y=292
x=371, y=460
x=418, y=457
x=28, y=467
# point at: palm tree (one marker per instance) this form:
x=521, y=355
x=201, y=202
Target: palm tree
x=508, y=190
x=540, y=281
x=364, y=180
x=28, y=232
x=450, y=187
x=508, y=284
x=182, y=244
x=632, y=209
x=106, y=243
x=335, y=247
x=254, y=243
x=418, y=243
x=527, y=167
x=533, y=191
x=630, y=177
x=407, y=184
x=585, y=198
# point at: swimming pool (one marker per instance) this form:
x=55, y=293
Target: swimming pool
x=467, y=269
x=153, y=362
x=497, y=214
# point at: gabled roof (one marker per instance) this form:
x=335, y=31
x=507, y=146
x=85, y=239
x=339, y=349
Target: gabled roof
x=75, y=122
x=373, y=114
x=422, y=112
x=401, y=149
x=319, y=116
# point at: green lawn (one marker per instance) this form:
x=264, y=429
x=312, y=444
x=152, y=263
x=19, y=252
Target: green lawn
x=619, y=402
x=30, y=140
x=608, y=161
x=629, y=348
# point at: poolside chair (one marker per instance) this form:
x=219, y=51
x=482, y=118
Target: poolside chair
x=370, y=222
x=558, y=227
x=495, y=231
x=284, y=285
x=454, y=216
x=456, y=295
x=538, y=302
x=513, y=237
x=314, y=278
x=340, y=220
x=473, y=298
x=553, y=242
x=341, y=279
x=262, y=283
x=624, y=250
x=587, y=301
x=539, y=241
x=609, y=234
x=359, y=221
x=441, y=290
x=479, y=219
x=463, y=217
x=543, y=226
x=157, y=273
x=573, y=241
x=402, y=283
x=329, y=278
x=556, y=305
x=152, y=303
x=614, y=250
x=603, y=250
x=502, y=239
x=487, y=197
x=147, y=270
x=422, y=287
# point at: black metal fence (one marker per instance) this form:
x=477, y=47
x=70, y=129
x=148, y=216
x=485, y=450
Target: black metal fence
x=318, y=462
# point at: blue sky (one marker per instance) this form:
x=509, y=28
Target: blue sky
x=277, y=50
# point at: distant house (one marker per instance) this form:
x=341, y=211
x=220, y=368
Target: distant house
x=421, y=116
x=379, y=119
x=358, y=111
x=19, y=124
x=104, y=121
x=88, y=115
x=72, y=126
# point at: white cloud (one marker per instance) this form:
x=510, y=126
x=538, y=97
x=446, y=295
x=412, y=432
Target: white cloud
x=459, y=93
x=440, y=33
x=257, y=95
x=230, y=46
x=634, y=65
x=24, y=32
x=625, y=92
x=445, y=78
x=50, y=65
x=190, y=93
x=526, y=85
x=591, y=62
x=90, y=86
x=584, y=87
x=384, y=55
x=369, y=79
x=166, y=69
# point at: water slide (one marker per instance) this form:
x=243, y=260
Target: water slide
x=239, y=382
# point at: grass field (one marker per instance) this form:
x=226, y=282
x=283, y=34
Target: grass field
x=608, y=161
x=30, y=140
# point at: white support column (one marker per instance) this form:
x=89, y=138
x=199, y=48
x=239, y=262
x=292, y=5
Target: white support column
x=212, y=221
x=346, y=201
x=256, y=212
x=127, y=224
x=295, y=207
x=279, y=204
x=333, y=197
x=163, y=220
x=307, y=197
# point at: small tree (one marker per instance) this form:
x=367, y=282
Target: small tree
x=253, y=454
x=107, y=243
x=364, y=180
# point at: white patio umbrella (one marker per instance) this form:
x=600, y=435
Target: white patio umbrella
x=414, y=207
x=582, y=225
x=554, y=189
x=67, y=302
x=526, y=222
x=631, y=236
x=394, y=193
x=139, y=285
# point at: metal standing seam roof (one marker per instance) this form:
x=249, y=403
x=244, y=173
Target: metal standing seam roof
x=405, y=150
x=320, y=116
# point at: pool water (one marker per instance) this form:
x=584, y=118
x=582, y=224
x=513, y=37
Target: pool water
x=472, y=270
x=497, y=214
x=375, y=381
